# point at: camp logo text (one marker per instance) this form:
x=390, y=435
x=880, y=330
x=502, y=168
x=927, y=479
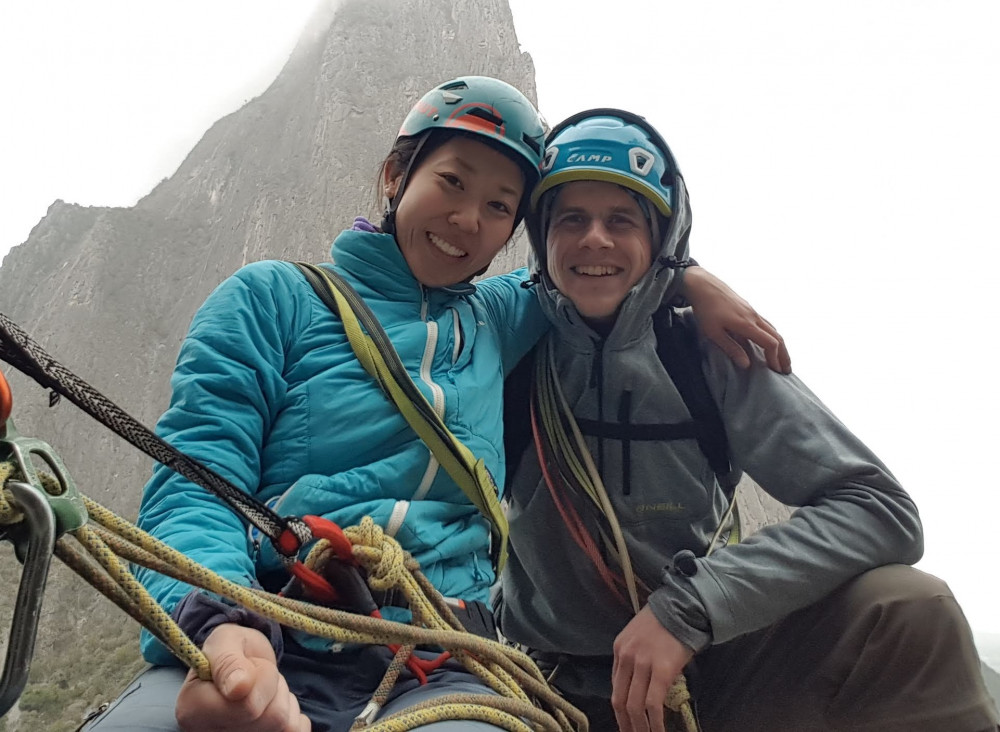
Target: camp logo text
x=588, y=158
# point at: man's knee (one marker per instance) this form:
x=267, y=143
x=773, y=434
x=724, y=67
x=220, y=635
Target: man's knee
x=896, y=583
x=897, y=596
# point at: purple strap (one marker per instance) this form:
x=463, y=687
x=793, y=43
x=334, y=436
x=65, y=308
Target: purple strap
x=363, y=224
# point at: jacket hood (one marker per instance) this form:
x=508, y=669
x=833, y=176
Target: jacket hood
x=635, y=313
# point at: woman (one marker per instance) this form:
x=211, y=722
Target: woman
x=268, y=392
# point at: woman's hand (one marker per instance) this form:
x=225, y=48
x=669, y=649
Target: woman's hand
x=247, y=692
x=727, y=320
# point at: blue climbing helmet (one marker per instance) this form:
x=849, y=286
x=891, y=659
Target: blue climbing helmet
x=483, y=107
x=609, y=145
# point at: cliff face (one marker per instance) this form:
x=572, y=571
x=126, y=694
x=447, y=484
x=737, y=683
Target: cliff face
x=109, y=292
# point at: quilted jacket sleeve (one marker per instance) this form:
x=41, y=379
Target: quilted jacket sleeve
x=227, y=387
x=515, y=314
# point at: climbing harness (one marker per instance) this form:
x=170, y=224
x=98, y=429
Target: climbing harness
x=44, y=514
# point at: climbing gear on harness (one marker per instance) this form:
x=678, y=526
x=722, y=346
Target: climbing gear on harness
x=92, y=549
x=379, y=358
x=483, y=107
x=505, y=670
x=56, y=486
x=37, y=540
x=45, y=506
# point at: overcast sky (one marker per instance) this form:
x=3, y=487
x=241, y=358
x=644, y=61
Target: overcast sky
x=843, y=161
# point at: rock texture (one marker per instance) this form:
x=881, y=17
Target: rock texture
x=109, y=292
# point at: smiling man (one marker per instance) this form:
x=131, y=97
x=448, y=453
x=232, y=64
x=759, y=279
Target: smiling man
x=625, y=564
x=598, y=247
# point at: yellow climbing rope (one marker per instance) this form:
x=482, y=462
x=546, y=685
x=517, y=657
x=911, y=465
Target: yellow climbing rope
x=521, y=699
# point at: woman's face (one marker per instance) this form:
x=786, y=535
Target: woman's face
x=457, y=210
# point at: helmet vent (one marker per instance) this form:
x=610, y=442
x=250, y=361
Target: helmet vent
x=640, y=161
x=551, y=153
x=457, y=84
x=450, y=98
x=486, y=115
x=531, y=142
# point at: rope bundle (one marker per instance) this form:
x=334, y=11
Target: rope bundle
x=521, y=699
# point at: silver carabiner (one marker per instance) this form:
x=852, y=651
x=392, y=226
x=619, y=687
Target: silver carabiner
x=38, y=543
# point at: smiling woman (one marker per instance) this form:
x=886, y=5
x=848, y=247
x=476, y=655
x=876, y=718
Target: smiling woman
x=459, y=210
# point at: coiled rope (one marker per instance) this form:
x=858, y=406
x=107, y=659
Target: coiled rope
x=568, y=470
x=523, y=701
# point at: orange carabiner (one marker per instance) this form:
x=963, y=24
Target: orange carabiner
x=6, y=400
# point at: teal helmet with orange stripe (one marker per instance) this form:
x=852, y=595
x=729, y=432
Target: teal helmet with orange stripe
x=487, y=109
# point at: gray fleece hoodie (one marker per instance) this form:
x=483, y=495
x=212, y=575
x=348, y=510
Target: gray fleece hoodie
x=852, y=514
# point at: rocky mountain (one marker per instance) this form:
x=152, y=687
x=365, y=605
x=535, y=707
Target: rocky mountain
x=992, y=679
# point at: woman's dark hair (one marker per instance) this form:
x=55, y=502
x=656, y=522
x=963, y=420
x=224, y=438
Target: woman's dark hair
x=401, y=157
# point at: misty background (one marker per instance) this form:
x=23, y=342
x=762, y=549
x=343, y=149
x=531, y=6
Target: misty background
x=842, y=160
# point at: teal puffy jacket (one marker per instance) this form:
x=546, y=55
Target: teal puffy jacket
x=268, y=393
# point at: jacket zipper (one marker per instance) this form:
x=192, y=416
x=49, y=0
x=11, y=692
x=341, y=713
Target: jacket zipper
x=436, y=392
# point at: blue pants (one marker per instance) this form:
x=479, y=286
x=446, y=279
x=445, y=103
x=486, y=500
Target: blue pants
x=332, y=690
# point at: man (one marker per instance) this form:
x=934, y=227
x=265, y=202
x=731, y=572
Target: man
x=625, y=569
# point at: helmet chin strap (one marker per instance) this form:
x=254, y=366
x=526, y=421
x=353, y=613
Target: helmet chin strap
x=388, y=224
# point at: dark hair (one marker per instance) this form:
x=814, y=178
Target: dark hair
x=402, y=154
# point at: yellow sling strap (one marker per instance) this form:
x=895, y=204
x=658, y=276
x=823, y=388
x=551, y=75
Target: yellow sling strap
x=470, y=474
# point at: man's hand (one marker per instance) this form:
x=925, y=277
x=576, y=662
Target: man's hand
x=647, y=660
x=246, y=692
x=727, y=319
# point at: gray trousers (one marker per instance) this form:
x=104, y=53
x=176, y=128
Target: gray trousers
x=889, y=651
x=331, y=689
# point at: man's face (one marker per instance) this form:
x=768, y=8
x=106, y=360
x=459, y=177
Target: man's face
x=598, y=246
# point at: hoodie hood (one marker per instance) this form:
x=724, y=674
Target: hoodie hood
x=635, y=313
